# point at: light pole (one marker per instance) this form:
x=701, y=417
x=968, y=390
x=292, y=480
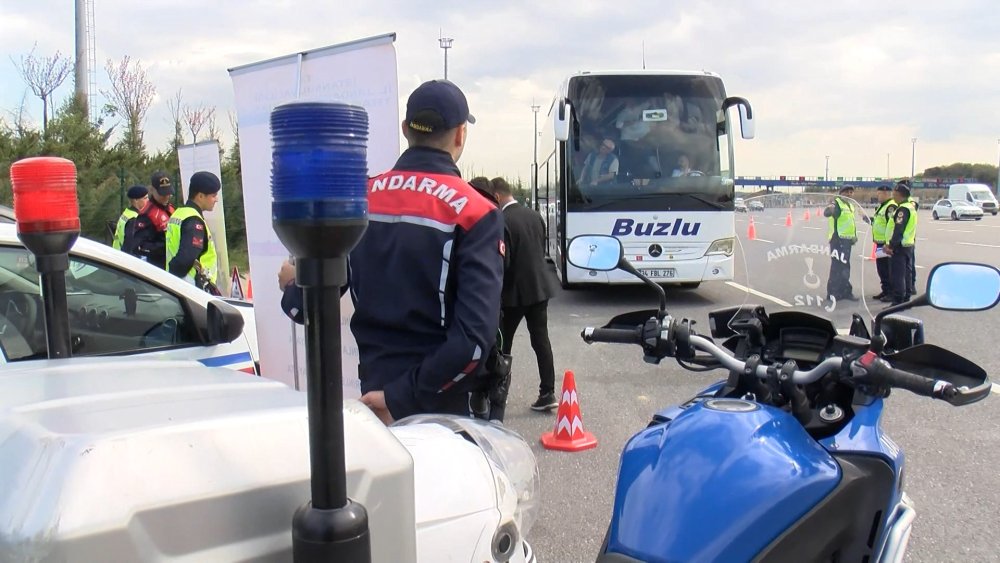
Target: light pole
x=997, y=187
x=534, y=159
x=913, y=158
x=888, y=176
x=445, y=43
x=826, y=175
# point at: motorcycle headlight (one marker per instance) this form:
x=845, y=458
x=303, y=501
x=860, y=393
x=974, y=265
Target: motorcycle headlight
x=515, y=473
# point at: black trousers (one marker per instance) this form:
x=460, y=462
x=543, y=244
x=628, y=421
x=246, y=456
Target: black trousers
x=537, y=318
x=902, y=276
x=913, y=270
x=882, y=265
x=839, y=283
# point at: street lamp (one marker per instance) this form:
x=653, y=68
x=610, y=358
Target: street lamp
x=826, y=175
x=913, y=157
x=998, y=171
x=534, y=159
x=445, y=43
x=888, y=176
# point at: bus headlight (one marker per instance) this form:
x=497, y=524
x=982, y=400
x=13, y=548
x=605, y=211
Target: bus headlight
x=721, y=246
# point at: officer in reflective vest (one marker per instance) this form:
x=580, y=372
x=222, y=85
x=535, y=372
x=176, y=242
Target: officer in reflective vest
x=901, y=235
x=842, y=234
x=190, y=249
x=884, y=214
x=137, y=196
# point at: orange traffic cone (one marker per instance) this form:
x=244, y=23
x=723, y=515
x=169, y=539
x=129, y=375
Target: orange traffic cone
x=806, y=216
x=568, y=434
x=788, y=219
x=751, y=230
x=874, y=246
x=249, y=295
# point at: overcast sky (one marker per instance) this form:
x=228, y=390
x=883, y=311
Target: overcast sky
x=854, y=80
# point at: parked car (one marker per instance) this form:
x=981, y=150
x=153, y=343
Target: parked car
x=755, y=205
x=956, y=209
x=119, y=305
x=739, y=205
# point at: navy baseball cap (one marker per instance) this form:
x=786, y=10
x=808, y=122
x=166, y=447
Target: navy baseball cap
x=137, y=192
x=884, y=188
x=161, y=183
x=902, y=188
x=437, y=105
x=204, y=183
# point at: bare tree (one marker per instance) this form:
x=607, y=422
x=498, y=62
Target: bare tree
x=175, y=106
x=130, y=96
x=196, y=119
x=43, y=75
x=213, y=129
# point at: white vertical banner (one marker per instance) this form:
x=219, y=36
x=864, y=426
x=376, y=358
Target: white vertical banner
x=361, y=73
x=196, y=158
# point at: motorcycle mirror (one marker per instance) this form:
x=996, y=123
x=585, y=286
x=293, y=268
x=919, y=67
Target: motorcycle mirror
x=605, y=253
x=958, y=286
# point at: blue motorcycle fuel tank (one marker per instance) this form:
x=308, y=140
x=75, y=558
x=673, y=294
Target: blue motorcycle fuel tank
x=717, y=483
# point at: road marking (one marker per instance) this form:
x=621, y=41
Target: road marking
x=919, y=267
x=988, y=226
x=758, y=293
x=814, y=228
x=763, y=240
x=996, y=389
x=955, y=231
x=979, y=244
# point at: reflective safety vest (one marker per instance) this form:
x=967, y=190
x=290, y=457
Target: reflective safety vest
x=208, y=258
x=125, y=217
x=909, y=230
x=845, y=227
x=881, y=221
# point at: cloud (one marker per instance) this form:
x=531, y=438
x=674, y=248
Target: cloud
x=852, y=79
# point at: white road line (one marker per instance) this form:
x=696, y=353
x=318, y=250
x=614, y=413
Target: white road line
x=764, y=240
x=996, y=389
x=955, y=231
x=979, y=244
x=988, y=226
x=814, y=228
x=758, y=293
x=919, y=267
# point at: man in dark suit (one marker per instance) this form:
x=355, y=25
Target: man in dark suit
x=527, y=288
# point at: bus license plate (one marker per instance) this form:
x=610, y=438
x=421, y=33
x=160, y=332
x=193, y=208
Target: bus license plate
x=663, y=273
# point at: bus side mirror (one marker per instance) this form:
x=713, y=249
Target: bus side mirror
x=747, y=127
x=562, y=120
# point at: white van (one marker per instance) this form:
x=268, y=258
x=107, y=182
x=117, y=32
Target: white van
x=976, y=194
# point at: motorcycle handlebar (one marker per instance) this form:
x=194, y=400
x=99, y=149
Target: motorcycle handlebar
x=731, y=363
x=612, y=335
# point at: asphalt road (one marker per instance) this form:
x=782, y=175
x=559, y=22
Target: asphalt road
x=952, y=453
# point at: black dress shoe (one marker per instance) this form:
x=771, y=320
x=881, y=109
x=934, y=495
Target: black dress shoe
x=879, y=296
x=545, y=402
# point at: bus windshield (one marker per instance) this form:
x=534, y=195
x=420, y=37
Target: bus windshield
x=645, y=142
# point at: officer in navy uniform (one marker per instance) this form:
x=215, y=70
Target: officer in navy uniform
x=901, y=235
x=427, y=274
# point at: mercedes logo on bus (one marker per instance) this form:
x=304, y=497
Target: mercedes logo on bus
x=655, y=250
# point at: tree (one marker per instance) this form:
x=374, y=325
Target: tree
x=43, y=75
x=981, y=173
x=175, y=106
x=196, y=119
x=130, y=96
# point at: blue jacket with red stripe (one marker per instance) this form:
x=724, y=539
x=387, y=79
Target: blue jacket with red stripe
x=425, y=279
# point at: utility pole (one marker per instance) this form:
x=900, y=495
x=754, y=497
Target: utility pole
x=826, y=175
x=80, y=74
x=534, y=158
x=997, y=190
x=888, y=176
x=913, y=158
x=445, y=43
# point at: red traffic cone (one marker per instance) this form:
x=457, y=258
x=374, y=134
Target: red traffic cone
x=568, y=434
x=788, y=219
x=806, y=216
x=249, y=296
x=874, y=246
x=751, y=230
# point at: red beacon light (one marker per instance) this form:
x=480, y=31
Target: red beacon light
x=48, y=223
x=45, y=195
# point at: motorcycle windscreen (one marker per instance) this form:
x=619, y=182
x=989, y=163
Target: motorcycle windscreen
x=718, y=483
x=809, y=253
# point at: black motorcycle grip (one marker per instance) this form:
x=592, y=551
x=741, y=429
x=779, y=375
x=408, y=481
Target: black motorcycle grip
x=912, y=382
x=612, y=335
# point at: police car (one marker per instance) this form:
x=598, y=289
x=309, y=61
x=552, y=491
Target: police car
x=120, y=306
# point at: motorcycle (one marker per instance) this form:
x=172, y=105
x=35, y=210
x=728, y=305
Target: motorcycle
x=785, y=459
